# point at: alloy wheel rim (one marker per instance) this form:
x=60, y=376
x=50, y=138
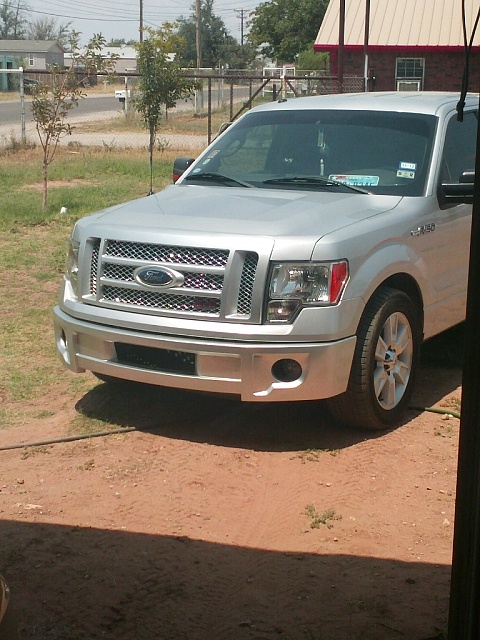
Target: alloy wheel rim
x=393, y=361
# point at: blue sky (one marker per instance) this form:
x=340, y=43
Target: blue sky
x=120, y=18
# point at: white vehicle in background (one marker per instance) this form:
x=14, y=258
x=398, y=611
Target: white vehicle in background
x=304, y=255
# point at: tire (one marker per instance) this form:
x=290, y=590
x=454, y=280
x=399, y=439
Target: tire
x=384, y=365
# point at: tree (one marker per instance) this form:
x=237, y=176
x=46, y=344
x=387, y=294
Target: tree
x=13, y=23
x=48, y=29
x=51, y=105
x=236, y=56
x=281, y=29
x=311, y=60
x=214, y=36
x=161, y=82
x=121, y=42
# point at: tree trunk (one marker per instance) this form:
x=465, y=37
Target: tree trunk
x=45, y=182
x=150, y=149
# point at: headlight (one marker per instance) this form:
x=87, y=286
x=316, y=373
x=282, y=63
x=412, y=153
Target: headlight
x=294, y=285
x=72, y=265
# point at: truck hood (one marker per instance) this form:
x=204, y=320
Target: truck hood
x=256, y=212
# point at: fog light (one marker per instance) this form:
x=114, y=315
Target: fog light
x=286, y=370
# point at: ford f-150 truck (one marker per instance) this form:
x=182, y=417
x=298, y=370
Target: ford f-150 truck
x=304, y=255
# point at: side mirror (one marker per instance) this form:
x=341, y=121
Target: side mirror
x=179, y=166
x=460, y=192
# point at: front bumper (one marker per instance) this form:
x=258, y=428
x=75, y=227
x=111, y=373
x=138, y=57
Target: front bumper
x=230, y=367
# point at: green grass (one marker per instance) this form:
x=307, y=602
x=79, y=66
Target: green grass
x=83, y=181
x=32, y=260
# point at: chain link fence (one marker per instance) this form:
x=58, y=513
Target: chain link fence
x=107, y=117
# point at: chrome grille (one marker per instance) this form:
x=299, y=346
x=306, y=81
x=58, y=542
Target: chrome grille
x=206, y=274
x=247, y=281
x=155, y=300
x=200, y=281
x=165, y=253
x=94, y=266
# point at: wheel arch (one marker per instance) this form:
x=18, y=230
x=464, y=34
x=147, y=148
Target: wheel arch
x=408, y=285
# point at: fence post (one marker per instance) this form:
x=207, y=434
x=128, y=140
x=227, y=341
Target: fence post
x=126, y=96
x=209, y=114
x=22, y=107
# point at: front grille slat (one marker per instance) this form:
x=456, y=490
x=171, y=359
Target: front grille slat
x=156, y=300
x=166, y=253
x=112, y=279
x=201, y=281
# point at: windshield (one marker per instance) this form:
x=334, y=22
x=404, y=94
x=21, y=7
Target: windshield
x=378, y=152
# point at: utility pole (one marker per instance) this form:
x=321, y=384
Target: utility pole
x=365, y=43
x=198, y=39
x=141, y=21
x=243, y=15
x=341, y=44
x=198, y=31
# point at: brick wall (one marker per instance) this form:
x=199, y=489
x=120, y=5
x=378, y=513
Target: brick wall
x=443, y=71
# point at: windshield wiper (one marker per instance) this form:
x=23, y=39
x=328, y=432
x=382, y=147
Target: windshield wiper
x=310, y=180
x=217, y=177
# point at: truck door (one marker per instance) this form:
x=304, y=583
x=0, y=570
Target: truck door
x=453, y=221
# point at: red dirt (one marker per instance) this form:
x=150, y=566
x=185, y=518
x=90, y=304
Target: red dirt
x=199, y=525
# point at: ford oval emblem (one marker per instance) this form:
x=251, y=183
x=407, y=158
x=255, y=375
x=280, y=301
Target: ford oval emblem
x=158, y=277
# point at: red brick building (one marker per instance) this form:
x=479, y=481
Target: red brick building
x=412, y=44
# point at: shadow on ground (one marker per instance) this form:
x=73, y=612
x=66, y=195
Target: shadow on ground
x=71, y=583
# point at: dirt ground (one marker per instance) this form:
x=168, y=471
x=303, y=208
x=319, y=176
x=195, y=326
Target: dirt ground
x=215, y=520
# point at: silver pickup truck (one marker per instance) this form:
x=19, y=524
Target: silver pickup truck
x=304, y=255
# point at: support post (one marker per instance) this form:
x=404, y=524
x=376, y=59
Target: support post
x=464, y=615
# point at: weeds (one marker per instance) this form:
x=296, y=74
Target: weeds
x=453, y=403
x=319, y=519
x=313, y=455
x=13, y=144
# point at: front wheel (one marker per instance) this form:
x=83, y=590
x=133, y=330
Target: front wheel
x=384, y=363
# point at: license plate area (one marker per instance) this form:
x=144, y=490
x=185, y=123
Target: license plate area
x=163, y=360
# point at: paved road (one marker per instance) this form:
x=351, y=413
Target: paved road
x=99, y=108
x=95, y=108
x=10, y=111
x=105, y=104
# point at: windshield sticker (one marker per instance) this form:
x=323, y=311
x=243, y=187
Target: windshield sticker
x=211, y=156
x=356, y=181
x=410, y=175
x=407, y=170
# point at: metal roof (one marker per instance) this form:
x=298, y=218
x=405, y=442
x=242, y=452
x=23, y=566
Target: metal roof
x=410, y=23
